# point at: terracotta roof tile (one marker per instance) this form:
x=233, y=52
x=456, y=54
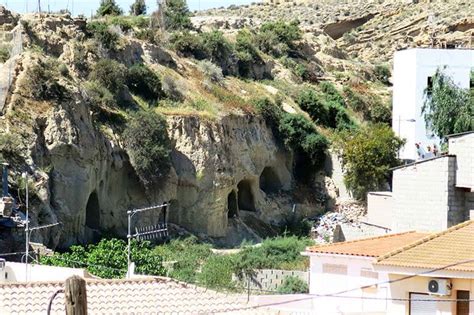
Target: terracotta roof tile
x=369, y=247
x=438, y=250
x=137, y=296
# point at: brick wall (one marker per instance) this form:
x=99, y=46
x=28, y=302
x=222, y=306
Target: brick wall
x=463, y=147
x=424, y=195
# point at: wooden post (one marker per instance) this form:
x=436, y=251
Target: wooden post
x=75, y=295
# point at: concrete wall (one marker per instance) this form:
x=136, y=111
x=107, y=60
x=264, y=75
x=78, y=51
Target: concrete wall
x=412, y=68
x=463, y=147
x=424, y=194
x=271, y=279
x=380, y=208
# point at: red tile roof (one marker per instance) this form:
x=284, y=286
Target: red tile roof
x=369, y=247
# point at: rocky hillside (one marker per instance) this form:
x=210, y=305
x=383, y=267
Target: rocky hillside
x=245, y=158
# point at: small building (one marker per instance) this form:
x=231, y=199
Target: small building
x=342, y=273
x=413, y=70
x=434, y=275
x=429, y=195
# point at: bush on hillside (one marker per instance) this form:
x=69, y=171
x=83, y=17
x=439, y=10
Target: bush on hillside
x=218, y=48
x=309, y=101
x=189, y=45
x=216, y=272
x=382, y=73
x=246, y=52
x=42, y=83
x=4, y=53
x=10, y=147
x=331, y=93
x=380, y=113
x=212, y=71
x=148, y=145
x=177, y=15
x=143, y=81
x=110, y=74
x=277, y=38
x=292, y=285
x=368, y=154
x=108, y=7
x=100, y=31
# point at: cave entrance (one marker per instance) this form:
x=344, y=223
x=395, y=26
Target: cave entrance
x=93, y=212
x=269, y=181
x=246, y=200
x=232, y=207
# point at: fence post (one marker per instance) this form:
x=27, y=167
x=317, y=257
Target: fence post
x=75, y=296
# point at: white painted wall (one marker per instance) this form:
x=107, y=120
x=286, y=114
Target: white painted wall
x=323, y=282
x=463, y=147
x=15, y=272
x=412, y=67
x=380, y=208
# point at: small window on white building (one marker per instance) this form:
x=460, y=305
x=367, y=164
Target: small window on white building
x=335, y=269
x=367, y=273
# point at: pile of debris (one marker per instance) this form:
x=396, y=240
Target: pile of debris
x=346, y=213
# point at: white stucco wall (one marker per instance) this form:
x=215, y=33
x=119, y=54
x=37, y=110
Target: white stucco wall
x=380, y=208
x=412, y=67
x=327, y=277
x=463, y=147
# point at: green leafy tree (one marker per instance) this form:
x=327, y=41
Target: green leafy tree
x=108, y=7
x=177, y=15
x=100, y=31
x=448, y=109
x=293, y=285
x=246, y=52
x=148, y=145
x=108, y=258
x=217, y=46
x=368, y=154
x=109, y=74
x=143, y=81
x=138, y=8
x=278, y=37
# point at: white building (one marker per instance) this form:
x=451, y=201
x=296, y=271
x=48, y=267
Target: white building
x=412, y=73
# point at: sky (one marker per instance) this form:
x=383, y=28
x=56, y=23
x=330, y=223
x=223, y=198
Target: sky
x=85, y=6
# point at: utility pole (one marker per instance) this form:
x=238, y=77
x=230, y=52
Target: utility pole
x=39, y=6
x=27, y=232
x=75, y=295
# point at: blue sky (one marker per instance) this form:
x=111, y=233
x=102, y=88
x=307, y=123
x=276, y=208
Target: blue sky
x=85, y=6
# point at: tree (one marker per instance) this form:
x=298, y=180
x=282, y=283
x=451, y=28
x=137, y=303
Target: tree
x=108, y=7
x=367, y=155
x=145, y=82
x=110, y=74
x=177, y=15
x=138, y=8
x=448, y=109
x=148, y=145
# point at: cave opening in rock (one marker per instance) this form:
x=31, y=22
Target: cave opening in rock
x=232, y=208
x=93, y=212
x=269, y=181
x=245, y=197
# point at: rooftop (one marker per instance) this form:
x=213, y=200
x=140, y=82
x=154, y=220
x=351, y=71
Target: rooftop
x=369, y=247
x=447, y=248
x=135, y=296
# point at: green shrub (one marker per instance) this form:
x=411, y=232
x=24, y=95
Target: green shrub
x=382, y=73
x=380, y=113
x=277, y=38
x=246, y=52
x=297, y=68
x=99, y=95
x=138, y=8
x=189, y=45
x=10, y=147
x=218, y=48
x=212, y=71
x=108, y=259
x=4, y=53
x=293, y=285
x=148, y=145
x=309, y=101
x=356, y=101
x=216, y=272
x=177, y=15
x=42, y=83
x=108, y=7
x=143, y=81
x=110, y=74
x=271, y=112
x=331, y=93
x=368, y=154
x=100, y=31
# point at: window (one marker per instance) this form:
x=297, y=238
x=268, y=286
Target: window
x=335, y=269
x=420, y=306
x=429, y=86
